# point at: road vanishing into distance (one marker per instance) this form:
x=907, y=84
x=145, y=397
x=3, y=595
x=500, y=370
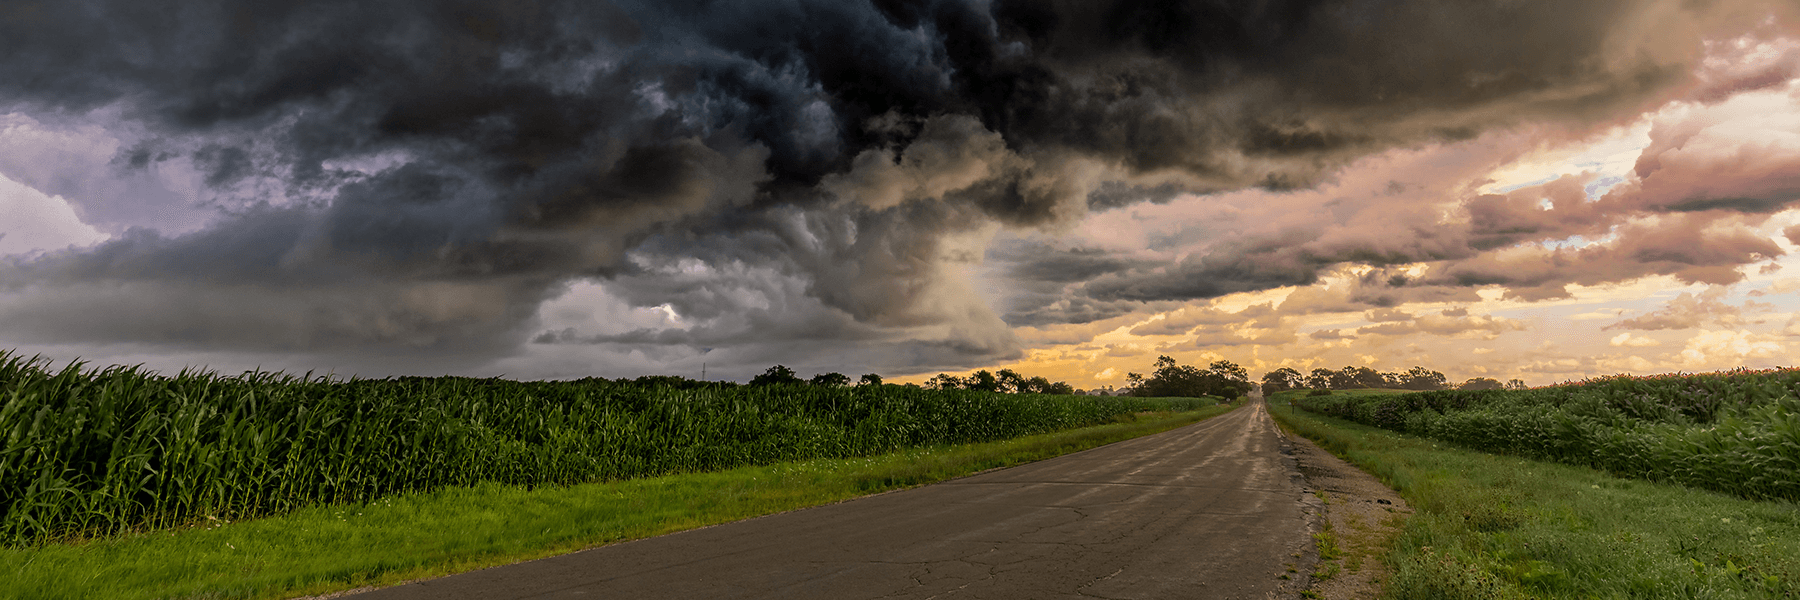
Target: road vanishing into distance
x=1210, y=510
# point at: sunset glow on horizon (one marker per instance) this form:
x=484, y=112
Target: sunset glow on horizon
x=1063, y=189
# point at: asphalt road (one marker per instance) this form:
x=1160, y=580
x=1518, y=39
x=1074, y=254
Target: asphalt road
x=1211, y=510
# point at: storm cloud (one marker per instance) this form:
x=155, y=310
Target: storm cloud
x=418, y=178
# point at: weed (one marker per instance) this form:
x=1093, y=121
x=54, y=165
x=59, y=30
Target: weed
x=1491, y=526
x=102, y=452
x=1736, y=432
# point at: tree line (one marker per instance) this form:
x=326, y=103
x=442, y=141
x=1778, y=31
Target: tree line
x=781, y=375
x=1221, y=378
x=1416, y=378
x=1006, y=381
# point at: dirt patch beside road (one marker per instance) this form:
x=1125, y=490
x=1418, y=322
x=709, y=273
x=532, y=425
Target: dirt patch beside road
x=1363, y=515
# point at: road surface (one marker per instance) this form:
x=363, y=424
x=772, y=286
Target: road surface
x=1211, y=510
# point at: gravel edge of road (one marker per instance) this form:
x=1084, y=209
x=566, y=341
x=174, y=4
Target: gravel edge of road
x=1365, y=516
x=1306, y=562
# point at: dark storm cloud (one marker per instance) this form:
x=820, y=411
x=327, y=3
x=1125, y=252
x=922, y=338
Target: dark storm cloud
x=1040, y=263
x=1114, y=194
x=1038, y=277
x=374, y=157
x=1261, y=263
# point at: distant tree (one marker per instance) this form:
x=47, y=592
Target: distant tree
x=1421, y=378
x=1481, y=383
x=1229, y=371
x=1320, y=379
x=830, y=380
x=1006, y=381
x=1174, y=379
x=776, y=375
x=1364, y=377
x=1011, y=382
x=982, y=380
x=681, y=383
x=1516, y=384
x=1282, y=379
x=944, y=382
x=871, y=379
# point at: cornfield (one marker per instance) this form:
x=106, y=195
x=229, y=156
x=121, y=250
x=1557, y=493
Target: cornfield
x=1736, y=432
x=102, y=451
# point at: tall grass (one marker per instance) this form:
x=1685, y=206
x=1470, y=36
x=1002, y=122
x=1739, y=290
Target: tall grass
x=1736, y=432
x=90, y=452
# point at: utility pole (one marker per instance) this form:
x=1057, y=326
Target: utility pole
x=703, y=371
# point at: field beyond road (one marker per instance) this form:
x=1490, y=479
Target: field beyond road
x=1490, y=526
x=1212, y=510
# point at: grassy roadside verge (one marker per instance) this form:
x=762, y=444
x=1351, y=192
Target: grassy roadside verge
x=414, y=536
x=1489, y=526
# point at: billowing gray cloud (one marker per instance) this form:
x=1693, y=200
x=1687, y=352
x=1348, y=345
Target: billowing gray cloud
x=414, y=177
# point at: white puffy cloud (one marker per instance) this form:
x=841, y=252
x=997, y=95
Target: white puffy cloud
x=1718, y=349
x=1626, y=340
x=35, y=221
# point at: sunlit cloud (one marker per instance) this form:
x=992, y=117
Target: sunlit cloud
x=624, y=188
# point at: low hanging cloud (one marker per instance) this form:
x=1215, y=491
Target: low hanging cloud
x=1443, y=324
x=1260, y=316
x=417, y=179
x=1632, y=341
x=1688, y=311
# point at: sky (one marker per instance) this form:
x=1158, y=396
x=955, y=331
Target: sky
x=557, y=189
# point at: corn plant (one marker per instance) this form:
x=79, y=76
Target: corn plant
x=1736, y=432
x=100, y=451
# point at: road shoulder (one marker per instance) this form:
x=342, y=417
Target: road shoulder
x=1364, y=516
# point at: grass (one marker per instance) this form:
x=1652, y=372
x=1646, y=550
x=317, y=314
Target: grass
x=1491, y=526
x=1736, y=432
x=1329, y=553
x=416, y=535
x=100, y=452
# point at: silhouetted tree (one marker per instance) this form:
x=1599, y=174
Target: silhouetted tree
x=1320, y=379
x=1421, y=378
x=1229, y=371
x=1481, y=383
x=830, y=379
x=776, y=375
x=1282, y=379
x=871, y=379
x=982, y=380
x=1171, y=379
x=944, y=382
x=1012, y=382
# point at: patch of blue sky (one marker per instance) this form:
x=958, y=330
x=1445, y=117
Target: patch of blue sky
x=1540, y=181
x=1598, y=187
x=1573, y=241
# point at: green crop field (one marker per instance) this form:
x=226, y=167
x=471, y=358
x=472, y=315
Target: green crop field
x=1491, y=526
x=99, y=452
x=1736, y=432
